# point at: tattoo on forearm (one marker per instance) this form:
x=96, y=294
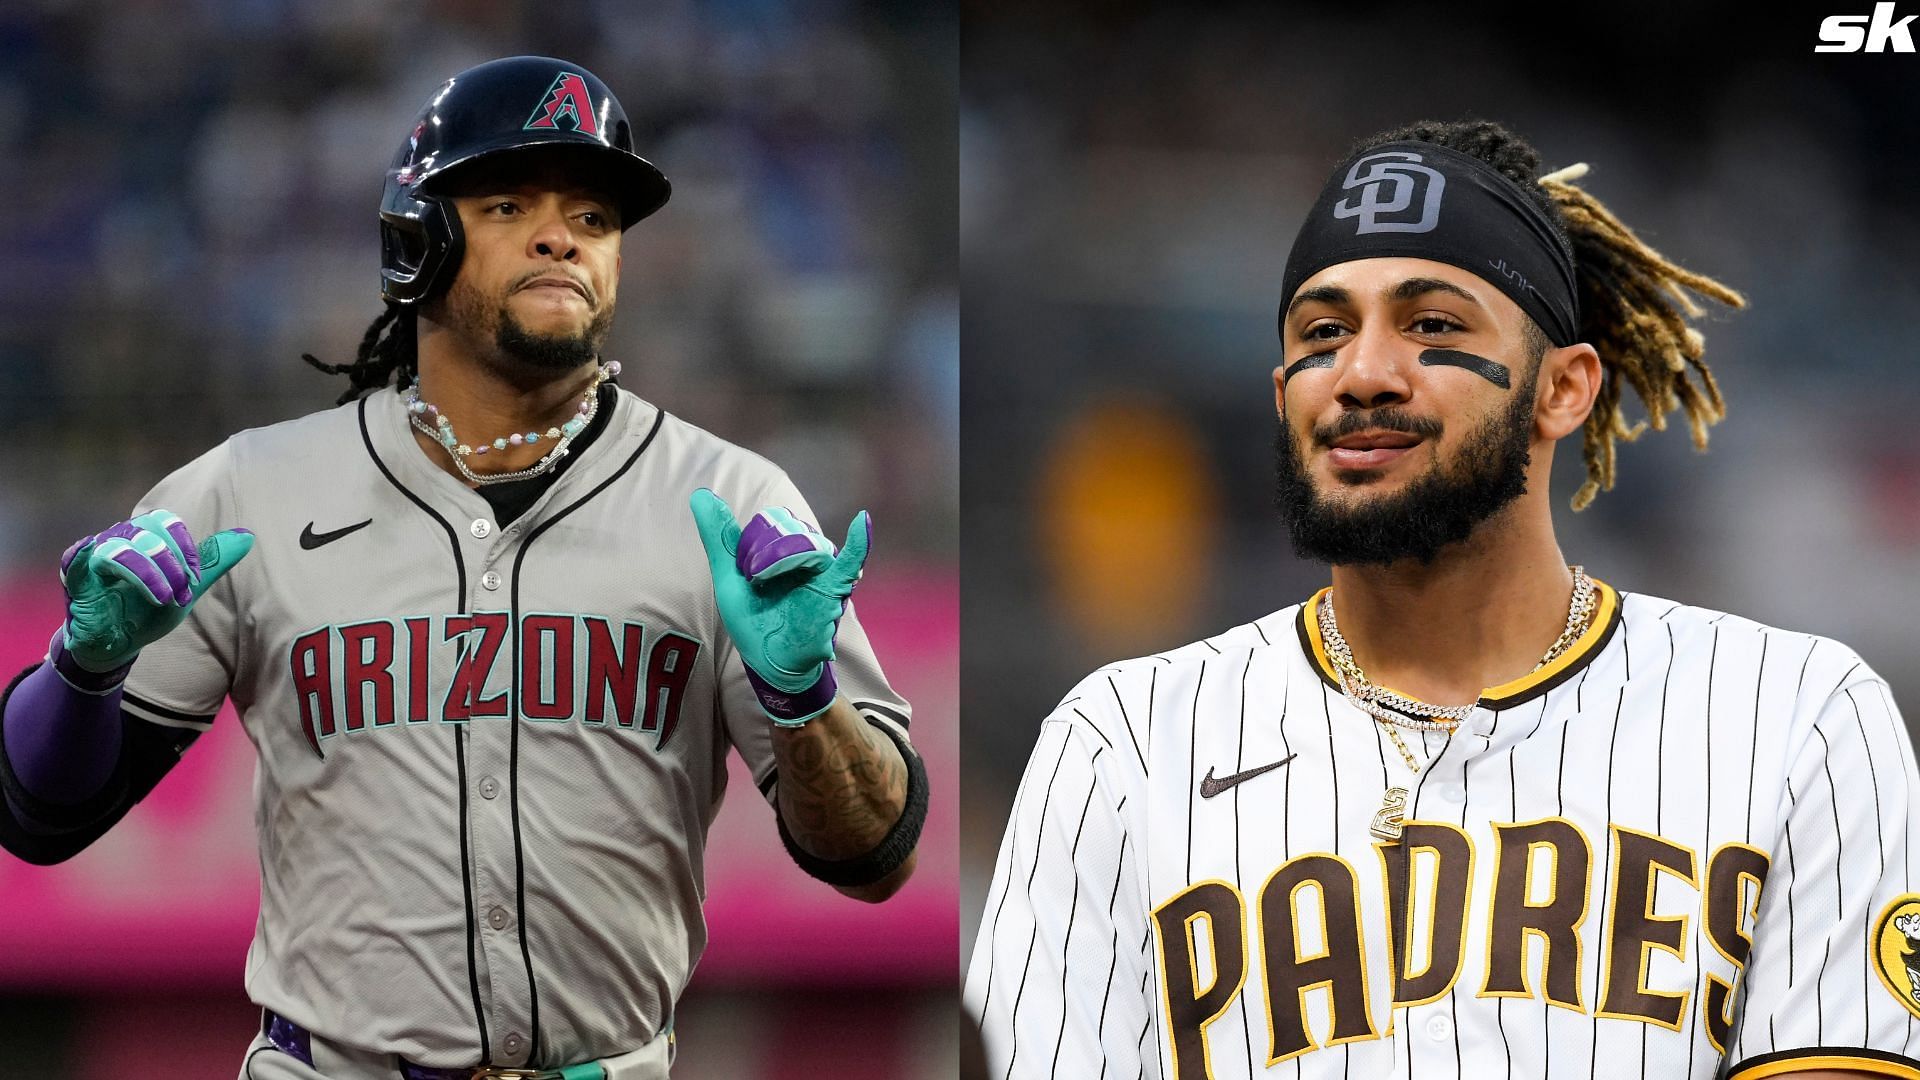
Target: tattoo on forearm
x=842, y=784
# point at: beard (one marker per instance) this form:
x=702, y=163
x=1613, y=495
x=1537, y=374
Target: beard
x=519, y=346
x=1437, y=508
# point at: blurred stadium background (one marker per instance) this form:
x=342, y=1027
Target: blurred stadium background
x=1132, y=175
x=190, y=188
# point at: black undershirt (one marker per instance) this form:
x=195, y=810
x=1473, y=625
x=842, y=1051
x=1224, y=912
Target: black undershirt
x=511, y=499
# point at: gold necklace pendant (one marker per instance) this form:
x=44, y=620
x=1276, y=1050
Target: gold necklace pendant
x=1389, y=822
x=1393, y=710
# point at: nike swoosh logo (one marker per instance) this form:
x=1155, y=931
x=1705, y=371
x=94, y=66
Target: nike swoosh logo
x=1209, y=787
x=310, y=539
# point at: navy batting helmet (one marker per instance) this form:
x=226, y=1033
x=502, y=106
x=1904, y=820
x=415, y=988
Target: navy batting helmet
x=501, y=106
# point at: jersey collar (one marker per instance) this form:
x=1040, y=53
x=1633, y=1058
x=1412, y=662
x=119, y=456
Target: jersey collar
x=1606, y=618
x=391, y=442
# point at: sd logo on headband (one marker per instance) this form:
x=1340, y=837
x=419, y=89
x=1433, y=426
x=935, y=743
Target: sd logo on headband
x=1392, y=186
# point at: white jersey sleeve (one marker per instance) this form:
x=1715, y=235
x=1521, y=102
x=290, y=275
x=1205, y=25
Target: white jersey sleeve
x=855, y=667
x=1059, y=981
x=1833, y=977
x=182, y=679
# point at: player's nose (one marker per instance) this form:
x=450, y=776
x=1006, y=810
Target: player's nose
x=552, y=236
x=1370, y=370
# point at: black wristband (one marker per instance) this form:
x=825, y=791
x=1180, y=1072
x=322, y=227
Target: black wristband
x=57, y=817
x=892, y=850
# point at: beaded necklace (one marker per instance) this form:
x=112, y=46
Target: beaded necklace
x=441, y=431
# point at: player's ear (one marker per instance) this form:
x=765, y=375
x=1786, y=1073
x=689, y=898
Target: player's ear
x=1565, y=389
x=1280, y=388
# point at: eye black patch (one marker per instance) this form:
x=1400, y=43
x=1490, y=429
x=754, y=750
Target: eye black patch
x=1317, y=360
x=1490, y=370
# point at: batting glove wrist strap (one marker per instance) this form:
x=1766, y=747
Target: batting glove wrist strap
x=893, y=848
x=97, y=683
x=794, y=710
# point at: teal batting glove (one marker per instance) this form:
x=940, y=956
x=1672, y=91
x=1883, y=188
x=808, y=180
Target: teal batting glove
x=781, y=589
x=129, y=586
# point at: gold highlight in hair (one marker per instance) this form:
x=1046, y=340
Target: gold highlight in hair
x=1634, y=310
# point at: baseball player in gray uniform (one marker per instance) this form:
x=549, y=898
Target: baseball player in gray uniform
x=492, y=628
x=1467, y=812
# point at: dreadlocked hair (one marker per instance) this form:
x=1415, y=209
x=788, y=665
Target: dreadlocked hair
x=1634, y=302
x=379, y=356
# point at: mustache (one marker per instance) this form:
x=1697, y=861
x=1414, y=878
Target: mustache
x=1386, y=419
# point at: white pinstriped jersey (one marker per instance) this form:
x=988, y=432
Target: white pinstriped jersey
x=488, y=754
x=1687, y=848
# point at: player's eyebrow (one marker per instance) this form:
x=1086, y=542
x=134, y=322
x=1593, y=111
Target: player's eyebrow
x=1414, y=288
x=1326, y=294
x=1410, y=289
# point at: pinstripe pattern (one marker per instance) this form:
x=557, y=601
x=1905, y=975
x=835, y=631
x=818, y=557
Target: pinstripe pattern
x=1678, y=732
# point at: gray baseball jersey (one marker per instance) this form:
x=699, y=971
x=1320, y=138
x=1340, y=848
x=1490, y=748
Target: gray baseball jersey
x=1686, y=848
x=487, y=756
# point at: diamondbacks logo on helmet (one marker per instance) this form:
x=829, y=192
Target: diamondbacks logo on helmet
x=568, y=97
x=1894, y=950
x=1391, y=186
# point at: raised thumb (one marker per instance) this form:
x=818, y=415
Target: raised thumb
x=220, y=553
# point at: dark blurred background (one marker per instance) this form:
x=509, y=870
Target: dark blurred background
x=1132, y=176
x=187, y=203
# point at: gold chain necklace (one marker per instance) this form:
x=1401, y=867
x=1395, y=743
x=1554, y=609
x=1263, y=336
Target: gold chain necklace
x=1393, y=710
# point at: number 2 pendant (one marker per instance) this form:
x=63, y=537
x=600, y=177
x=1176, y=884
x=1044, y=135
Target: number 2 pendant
x=1393, y=811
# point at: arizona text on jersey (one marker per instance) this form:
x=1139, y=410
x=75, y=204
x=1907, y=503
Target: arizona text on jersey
x=1685, y=848
x=488, y=755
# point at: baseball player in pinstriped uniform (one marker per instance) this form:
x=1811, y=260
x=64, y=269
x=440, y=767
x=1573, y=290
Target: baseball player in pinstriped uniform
x=1467, y=812
x=492, y=684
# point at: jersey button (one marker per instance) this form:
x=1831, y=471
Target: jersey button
x=497, y=918
x=1439, y=1028
x=1452, y=792
x=513, y=1044
x=481, y=528
x=489, y=788
x=490, y=579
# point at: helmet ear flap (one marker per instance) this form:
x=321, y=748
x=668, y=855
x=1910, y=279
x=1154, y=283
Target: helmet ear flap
x=420, y=247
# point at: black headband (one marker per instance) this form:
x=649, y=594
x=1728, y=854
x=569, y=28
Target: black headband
x=1425, y=201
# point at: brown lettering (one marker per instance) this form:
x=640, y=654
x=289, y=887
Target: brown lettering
x=1729, y=904
x=1633, y=929
x=1191, y=1007
x=1452, y=878
x=1340, y=967
x=1555, y=919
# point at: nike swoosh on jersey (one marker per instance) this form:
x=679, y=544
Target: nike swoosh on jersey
x=310, y=539
x=1209, y=787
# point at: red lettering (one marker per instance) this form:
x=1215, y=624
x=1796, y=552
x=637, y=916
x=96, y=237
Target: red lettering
x=669, y=668
x=539, y=702
x=612, y=669
x=418, y=671
x=492, y=627
x=358, y=671
x=312, y=666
